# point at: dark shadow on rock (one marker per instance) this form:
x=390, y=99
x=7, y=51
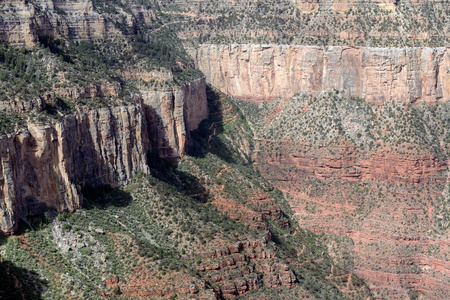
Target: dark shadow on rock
x=19, y=283
x=104, y=196
x=204, y=139
x=201, y=141
x=3, y=239
x=35, y=221
x=157, y=132
x=167, y=171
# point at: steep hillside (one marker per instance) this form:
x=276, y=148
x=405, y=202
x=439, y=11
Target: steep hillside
x=382, y=23
x=207, y=228
x=122, y=175
x=79, y=110
x=310, y=22
x=373, y=178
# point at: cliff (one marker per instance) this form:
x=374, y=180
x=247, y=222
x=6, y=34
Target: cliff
x=172, y=113
x=23, y=22
x=45, y=165
x=263, y=72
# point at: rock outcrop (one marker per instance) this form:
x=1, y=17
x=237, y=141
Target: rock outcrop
x=174, y=112
x=351, y=165
x=45, y=165
x=342, y=5
x=23, y=22
x=264, y=72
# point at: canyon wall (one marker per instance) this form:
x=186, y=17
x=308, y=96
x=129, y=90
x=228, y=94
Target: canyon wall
x=264, y=72
x=174, y=112
x=23, y=22
x=45, y=166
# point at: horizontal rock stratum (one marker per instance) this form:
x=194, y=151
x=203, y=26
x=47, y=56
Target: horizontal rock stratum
x=264, y=72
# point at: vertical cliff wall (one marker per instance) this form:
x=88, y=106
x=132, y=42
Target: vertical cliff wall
x=173, y=113
x=264, y=72
x=45, y=166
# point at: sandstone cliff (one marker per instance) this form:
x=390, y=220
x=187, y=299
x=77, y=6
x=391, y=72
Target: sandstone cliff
x=174, y=112
x=262, y=72
x=23, y=22
x=45, y=165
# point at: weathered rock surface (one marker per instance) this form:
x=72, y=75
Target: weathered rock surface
x=342, y=5
x=23, y=22
x=45, y=165
x=352, y=165
x=173, y=113
x=263, y=72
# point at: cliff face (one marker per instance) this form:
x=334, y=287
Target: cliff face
x=263, y=72
x=172, y=114
x=45, y=165
x=25, y=21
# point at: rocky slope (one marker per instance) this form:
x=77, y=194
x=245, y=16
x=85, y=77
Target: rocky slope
x=382, y=23
x=180, y=233
x=335, y=22
x=103, y=84
x=262, y=72
x=75, y=112
x=373, y=178
x=23, y=22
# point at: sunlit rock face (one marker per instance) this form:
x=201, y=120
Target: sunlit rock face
x=264, y=72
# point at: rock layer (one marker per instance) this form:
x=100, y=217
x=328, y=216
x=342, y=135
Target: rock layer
x=45, y=165
x=173, y=113
x=351, y=165
x=264, y=72
x=23, y=22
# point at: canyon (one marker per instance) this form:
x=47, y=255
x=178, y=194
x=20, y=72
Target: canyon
x=216, y=149
x=337, y=184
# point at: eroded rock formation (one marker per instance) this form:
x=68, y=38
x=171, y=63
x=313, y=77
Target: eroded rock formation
x=23, y=22
x=264, y=72
x=173, y=113
x=351, y=165
x=45, y=165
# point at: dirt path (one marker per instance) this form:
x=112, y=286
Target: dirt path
x=221, y=171
x=167, y=24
